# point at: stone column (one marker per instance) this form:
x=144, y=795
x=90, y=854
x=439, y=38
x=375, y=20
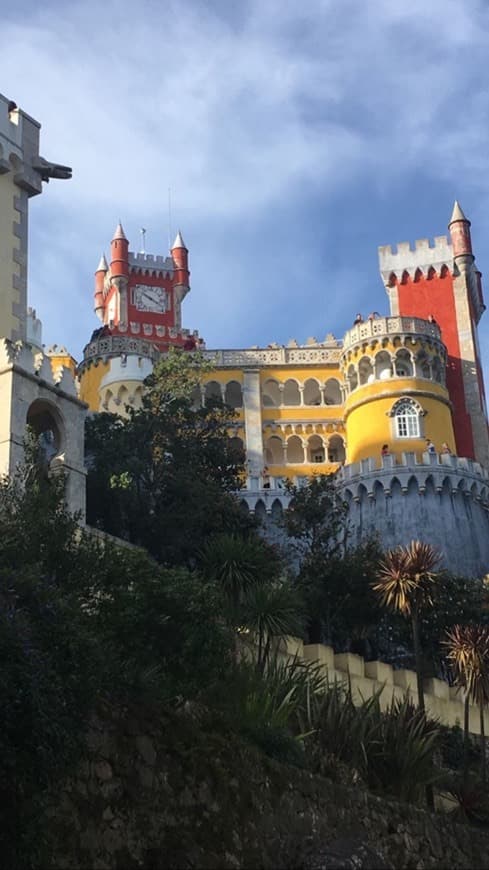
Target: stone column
x=253, y=422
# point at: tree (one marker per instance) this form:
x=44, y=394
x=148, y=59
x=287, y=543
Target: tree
x=468, y=654
x=83, y=623
x=261, y=602
x=405, y=584
x=146, y=471
x=316, y=523
x=341, y=595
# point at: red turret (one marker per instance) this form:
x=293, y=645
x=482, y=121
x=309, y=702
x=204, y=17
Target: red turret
x=459, y=228
x=179, y=254
x=100, y=274
x=119, y=250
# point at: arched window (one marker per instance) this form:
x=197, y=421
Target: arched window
x=236, y=449
x=352, y=378
x=234, y=395
x=407, y=414
x=138, y=397
x=383, y=366
x=336, y=449
x=295, y=450
x=365, y=371
x=292, y=394
x=312, y=396
x=423, y=367
x=213, y=391
x=123, y=396
x=45, y=422
x=274, y=451
x=437, y=370
x=403, y=364
x=315, y=449
x=272, y=397
x=332, y=392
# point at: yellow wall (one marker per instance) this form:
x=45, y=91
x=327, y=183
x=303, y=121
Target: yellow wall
x=301, y=373
x=90, y=383
x=369, y=426
x=62, y=360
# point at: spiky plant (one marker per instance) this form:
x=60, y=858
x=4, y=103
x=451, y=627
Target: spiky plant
x=468, y=656
x=237, y=564
x=405, y=582
x=270, y=611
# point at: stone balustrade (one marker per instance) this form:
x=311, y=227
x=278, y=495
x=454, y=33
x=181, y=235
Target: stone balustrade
x=283, y=356
x=382, y=327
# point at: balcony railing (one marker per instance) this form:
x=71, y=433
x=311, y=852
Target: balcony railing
x=385, y=326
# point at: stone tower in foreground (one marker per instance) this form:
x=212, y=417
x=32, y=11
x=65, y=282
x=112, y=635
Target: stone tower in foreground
x=32, y=391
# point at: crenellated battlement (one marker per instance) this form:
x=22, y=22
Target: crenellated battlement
x=394, y=262
x=441, y=471
x=367, y=678
x=28, y=359
x=151, y=261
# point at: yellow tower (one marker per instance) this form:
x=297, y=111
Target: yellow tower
x=396, y=395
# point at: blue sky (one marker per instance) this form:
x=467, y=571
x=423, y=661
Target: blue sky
x=296, y=138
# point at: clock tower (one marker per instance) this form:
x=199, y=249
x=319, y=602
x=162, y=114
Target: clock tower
x=141, y=294
x=138, y=298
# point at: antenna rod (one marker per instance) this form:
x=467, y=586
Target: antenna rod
x=143, y=240
x=169, y=219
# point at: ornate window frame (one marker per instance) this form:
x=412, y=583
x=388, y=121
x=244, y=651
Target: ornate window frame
x=407, y=418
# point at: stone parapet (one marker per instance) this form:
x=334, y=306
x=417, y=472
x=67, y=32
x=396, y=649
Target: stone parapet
x=382, y=327
x=283, y=356
x=460, y=473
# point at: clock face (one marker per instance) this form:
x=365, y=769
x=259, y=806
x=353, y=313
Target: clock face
x=147, y=298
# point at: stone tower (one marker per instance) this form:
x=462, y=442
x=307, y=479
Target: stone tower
x=442, y=282
x=31, y=393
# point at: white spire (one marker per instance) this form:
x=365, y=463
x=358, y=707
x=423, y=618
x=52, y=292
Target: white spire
x=119, y=233
x=178, y=243
x=102, y=266
x=457, y=213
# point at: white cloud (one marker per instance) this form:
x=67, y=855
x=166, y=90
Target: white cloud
x=243, y=116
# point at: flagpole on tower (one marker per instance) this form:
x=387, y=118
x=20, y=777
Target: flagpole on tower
x=143, y=240
x=169, y=220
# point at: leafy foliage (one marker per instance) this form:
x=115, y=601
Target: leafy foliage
x=81, y=622
x=391, y=752
x=145, y=472
x=405, y=577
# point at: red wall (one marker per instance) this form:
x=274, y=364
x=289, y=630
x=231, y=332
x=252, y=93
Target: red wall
x=435, y=296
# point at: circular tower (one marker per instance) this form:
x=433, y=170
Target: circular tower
x=395, y=389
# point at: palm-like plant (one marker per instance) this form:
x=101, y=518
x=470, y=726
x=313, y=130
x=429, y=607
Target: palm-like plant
x=272, y=610
x=237, y=564
x=468, y=655
x=405, y=584
x=260, y=603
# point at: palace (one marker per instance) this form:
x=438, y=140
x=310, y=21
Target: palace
x=396, y=408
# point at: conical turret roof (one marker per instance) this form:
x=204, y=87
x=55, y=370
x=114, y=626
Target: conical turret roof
x=119, y=233
x=178, y=243
x=102, y=266
x=457, y=213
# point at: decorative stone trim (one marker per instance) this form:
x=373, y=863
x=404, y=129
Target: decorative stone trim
x=280, y=356
x=383, y=327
